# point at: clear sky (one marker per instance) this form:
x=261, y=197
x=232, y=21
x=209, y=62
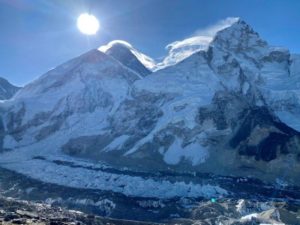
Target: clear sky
x=37, y=35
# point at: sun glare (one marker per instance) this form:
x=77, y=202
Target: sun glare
x=88, y=24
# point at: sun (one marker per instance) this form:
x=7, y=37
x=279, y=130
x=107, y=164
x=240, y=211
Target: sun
x=88, y=24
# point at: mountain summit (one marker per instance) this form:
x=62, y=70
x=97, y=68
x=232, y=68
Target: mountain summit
x=129, y=56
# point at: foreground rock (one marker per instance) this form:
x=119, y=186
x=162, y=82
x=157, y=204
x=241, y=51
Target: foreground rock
x=227, y=212
x=24, y=212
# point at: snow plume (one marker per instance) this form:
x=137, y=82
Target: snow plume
x=177, y=50
x=104, y=48
x=200, y=40
x=211, y=31
x=148, y=62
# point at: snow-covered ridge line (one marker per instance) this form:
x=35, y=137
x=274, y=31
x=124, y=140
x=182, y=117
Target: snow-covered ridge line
x=177, y=50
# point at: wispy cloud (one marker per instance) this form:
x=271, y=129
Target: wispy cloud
x=179, y=50
x=213, y=29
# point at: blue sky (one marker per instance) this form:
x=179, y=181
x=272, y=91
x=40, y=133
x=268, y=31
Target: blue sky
x=37, y=35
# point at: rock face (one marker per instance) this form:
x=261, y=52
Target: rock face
x=7, y=90
x=230, y=109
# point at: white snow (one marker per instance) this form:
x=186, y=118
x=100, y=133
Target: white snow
x=191, y=82
x=117, y=143
x=194, y=152
x=241, y=207
x=95, y=78
x=249, y=217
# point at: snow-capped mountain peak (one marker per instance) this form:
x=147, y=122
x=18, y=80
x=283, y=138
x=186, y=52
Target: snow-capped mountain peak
x=86, y=83
x=200, y=40
x=239, y=36
x=129, y=56
x=86, y=66
x=216, y=111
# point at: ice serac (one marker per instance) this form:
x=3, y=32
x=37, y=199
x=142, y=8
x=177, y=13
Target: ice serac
x=232, y=108
x=129, y=56
x=7, y=90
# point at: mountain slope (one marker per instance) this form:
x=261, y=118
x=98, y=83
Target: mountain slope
x=77, y=101
x=181, y=122
x=7, y=90
x=229, y=109
x=59, y=99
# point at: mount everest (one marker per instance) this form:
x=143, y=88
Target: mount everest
x=230, y=108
